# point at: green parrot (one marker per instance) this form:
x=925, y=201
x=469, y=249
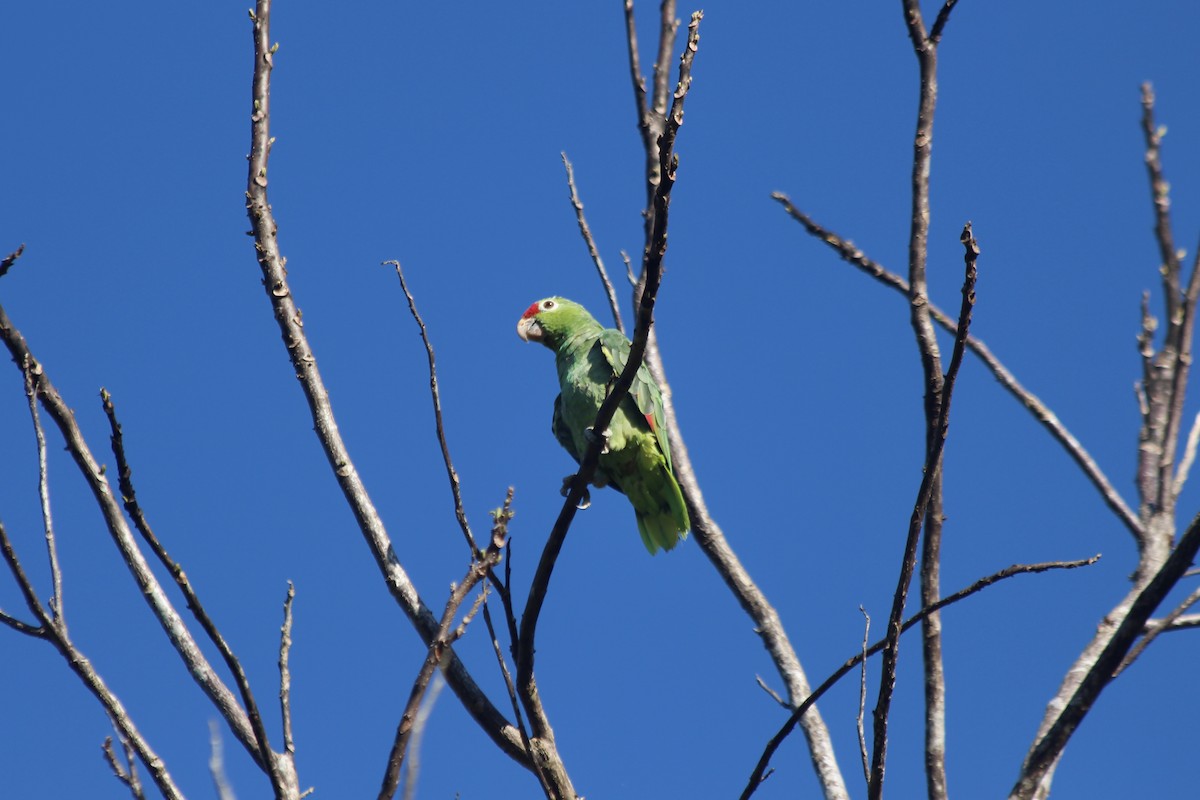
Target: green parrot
x=636, y=459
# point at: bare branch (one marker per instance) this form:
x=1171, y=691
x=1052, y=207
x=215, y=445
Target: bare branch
x=774, y=694
x=758, y=775
x=10, y=259
x=126, y=771
x=22, y=627
x=629, y=276
x=261, y=745
x=481, y=564
x=862, y=700
x=1160, y=195
x=1181, y=623
x=287, y=315
x=1189, y=456
x=1153, y=629
x=82, y=667
x=56, y=597
x=1050, y=745
x=939, y=24
x=586, y=232
x=854, y=256
x=455, y=487
x=285, y=674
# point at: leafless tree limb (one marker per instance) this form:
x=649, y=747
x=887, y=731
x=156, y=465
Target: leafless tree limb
x=1154, y=627
x=134, y=509
x=10, y=259
x=504, y=592
x=761, y=768
x=931, y=560
x=940, y=387
x=287, y=315
x=124, y=770
x=862, y=699
x=1189, y=450
x=285, y=673
x=180, y=637
x=1049, y=746
x=56, y=596
x=1048, y=419
x=481, y=564
x=1165, y=371
x=586, y=231
x=774, y=694
x=78, y=662
x=455, y=487
x=1183, y=622
x=1161, y=396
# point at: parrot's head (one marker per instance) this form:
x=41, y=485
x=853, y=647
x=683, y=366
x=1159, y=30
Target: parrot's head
x=551, y=320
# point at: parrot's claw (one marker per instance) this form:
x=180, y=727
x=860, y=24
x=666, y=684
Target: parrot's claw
x=590, y=435
x=584, y=501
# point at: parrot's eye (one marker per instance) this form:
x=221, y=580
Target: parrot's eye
x=547, y=305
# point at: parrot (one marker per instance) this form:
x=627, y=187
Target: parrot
x=636, y=459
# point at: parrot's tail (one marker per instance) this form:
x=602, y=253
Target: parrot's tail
x=666, y=525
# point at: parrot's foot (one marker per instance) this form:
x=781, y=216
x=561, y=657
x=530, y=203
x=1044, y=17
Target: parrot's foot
x=590, y=435
x=584, y=501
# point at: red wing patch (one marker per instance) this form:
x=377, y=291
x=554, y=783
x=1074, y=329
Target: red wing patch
x=650, y=420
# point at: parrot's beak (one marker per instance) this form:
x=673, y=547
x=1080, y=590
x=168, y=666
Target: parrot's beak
x=529, y=330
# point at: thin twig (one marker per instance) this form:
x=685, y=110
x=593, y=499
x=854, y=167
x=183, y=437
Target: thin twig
x=82, y=667
x=1189, y=456
x=56, y=597
x=774, y=694
x=1181, y=623
x=1050, y=746
x=856, y=257
x=125, y=772
x=1159, y=626
x=590, y=241
x=285, y=674
x=481, y=564
x=10, y=259
x=862, y=699
x=503, y=590
x=451, y=473
x=134, y=509
x=760, y=769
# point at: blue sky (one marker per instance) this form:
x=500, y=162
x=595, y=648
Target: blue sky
x=431, y=134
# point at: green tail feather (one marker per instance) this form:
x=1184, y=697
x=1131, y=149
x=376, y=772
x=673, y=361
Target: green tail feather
x=664, y=528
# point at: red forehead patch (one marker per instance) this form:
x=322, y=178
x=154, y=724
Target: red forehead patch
x=531, y=311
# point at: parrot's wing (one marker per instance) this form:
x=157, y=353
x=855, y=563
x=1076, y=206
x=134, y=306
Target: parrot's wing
x=561, y=432
x=643, y=391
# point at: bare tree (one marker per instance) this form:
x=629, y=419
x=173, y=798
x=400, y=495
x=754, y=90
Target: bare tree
x=518, y=720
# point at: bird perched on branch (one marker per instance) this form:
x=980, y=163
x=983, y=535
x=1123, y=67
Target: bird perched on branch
x=636, y=457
